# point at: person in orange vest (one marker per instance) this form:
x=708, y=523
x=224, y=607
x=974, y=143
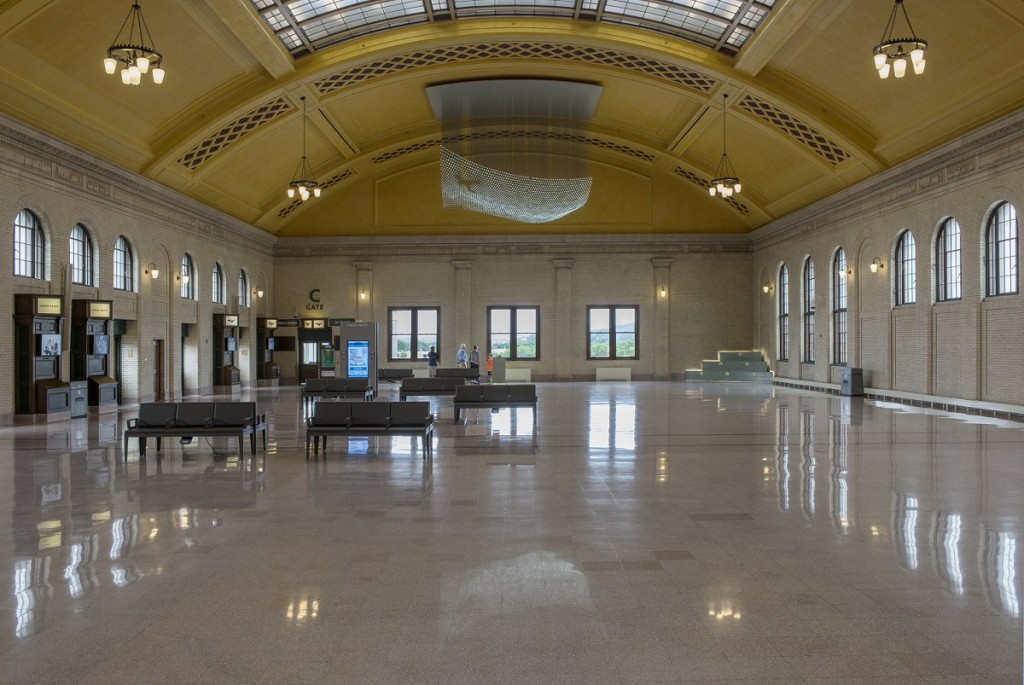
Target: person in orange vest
x=490, y=365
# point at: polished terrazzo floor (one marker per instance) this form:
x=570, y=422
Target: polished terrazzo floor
x=640, y=533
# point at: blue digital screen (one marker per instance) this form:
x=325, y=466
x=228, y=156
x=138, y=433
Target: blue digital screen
x=358, y=358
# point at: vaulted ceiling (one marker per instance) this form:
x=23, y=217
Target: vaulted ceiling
x=807, y=114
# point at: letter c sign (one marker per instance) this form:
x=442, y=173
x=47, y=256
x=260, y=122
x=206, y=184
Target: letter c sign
x=314, y=295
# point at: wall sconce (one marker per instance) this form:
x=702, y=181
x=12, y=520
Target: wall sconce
x=876, y=264
x=362, y=294
x=663, y=292
x=182, y=277
x=152, y=271
x=259, y=294
x=767, y=287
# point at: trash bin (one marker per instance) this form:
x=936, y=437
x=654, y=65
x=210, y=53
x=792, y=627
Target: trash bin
x=78, y=398
x=851, y=382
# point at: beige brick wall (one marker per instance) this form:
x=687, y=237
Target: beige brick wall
x=706, y=280
x=63, y=186
x=970, y=349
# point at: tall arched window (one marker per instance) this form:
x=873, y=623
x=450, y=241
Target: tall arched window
x=783, y=313
x=906, y=269
x=218, y=284
x=839, y=320
x=186, y=277
x=29, y=246
x=807, y=299
x=244, y=299
x=1001, y=248
x=124, y=265
x=81, y=256
x=947, y=262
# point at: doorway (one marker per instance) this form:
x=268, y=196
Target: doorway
x=311, y=343
x=158, y=370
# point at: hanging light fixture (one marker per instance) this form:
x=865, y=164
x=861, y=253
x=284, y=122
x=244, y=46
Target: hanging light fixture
x=725, y=182
x=304, y=182
x=131, y=49
x=892, y=54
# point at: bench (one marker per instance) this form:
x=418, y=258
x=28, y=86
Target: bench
x=496, y=396
x=457, y=372
x=370, y=418
x=413, y=387
x=196, y=419
x=392, y=375
x=335, y=388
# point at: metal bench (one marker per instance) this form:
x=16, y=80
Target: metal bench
x=196, y=419
x=346, y=419
x=496, y=396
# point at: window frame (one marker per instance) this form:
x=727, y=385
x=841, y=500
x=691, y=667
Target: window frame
x=80, y=256
x=782, y=302
x=514, y=333
x=244, y=294
x=612, y=334
x=905, y=273
x=29, y=236
x=948, y=259
x=808, y=303
x=840, y=311
x=217, y=284
x=414, y=334
x=1002, y=254
x=124, y=265
x=187, y=278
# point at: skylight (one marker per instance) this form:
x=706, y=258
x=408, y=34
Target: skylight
x=305, y=26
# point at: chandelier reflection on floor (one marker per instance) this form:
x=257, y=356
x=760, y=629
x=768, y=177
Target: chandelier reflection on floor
x=513, y=148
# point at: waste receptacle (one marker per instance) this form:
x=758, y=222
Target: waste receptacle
x=78, y=398
x=851, y=382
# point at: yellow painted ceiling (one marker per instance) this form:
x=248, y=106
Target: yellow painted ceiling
x=807, y=113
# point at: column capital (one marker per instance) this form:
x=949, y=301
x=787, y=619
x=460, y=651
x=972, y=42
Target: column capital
x=563, y=263
x=462, y=264
x=661, y=262
x=363, y=266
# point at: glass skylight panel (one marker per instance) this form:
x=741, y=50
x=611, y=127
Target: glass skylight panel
x=305, y=25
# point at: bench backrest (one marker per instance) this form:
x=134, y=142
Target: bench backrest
x=197, y=414
x=357, y=384
x=370, y=413
x=331, y=413
x=157, y=415
x=494, y=393
x=457, y=372
x=315, y=385
x=423, y=384
x=234, y=413
x=522, y=392
x=410, y=414
x=469, y=393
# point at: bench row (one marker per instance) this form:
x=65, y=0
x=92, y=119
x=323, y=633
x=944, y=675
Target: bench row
x=191, y=419
x=322, y=388
x=369, y=418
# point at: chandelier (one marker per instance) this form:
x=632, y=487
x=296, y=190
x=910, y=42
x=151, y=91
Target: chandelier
x=893, y=53
x=131, y=49
x=725, y=182
x=304, y=182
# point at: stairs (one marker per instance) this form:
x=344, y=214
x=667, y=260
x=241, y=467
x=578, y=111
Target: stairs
x=731, y=366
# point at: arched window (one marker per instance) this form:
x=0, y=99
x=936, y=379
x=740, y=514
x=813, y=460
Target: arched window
x=29, y=246
x=81, y=256
x=244, y=299
x=218, y=284
x=783, y=313
x=1001, y=248
x=839, y=320
x=188, y=283
x=947, y=266
x=906, y=269
x=808, y=310
x=124, y=265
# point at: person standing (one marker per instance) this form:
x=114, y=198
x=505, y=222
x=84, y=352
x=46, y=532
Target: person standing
x=462, y=357
x=474, y=362
x=432, y=359
x=490, y=366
